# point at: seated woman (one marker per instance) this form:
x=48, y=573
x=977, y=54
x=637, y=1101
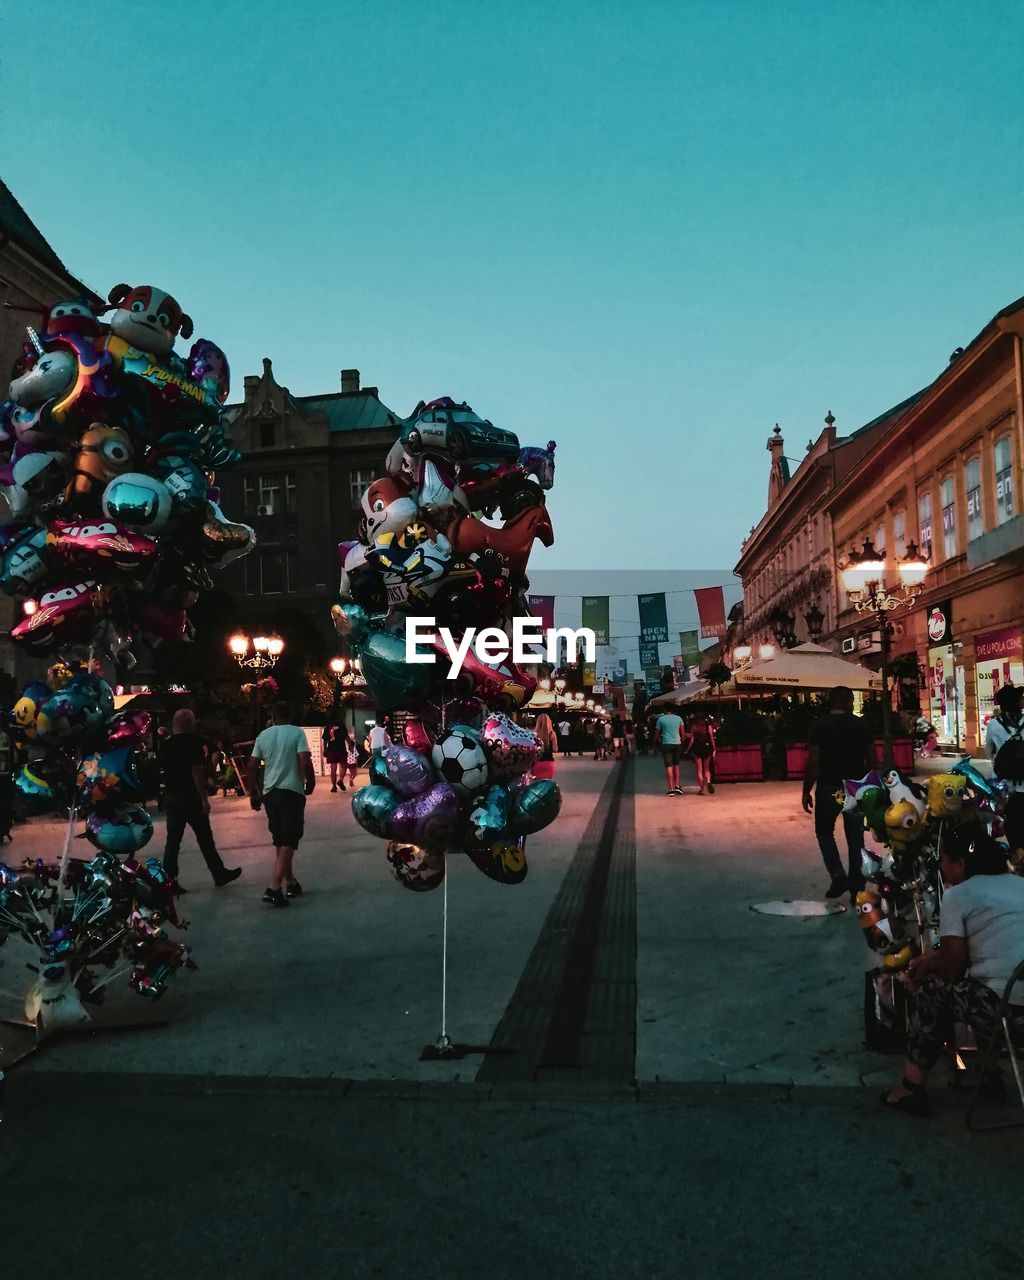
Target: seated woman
x=981, y=925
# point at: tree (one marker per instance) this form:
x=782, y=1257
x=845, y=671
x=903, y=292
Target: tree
x=718, y=674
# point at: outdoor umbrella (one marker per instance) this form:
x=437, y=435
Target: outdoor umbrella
x=693, y=691
x=808, y=666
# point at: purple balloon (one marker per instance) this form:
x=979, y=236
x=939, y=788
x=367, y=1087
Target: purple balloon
x=408, y=772
x=428, y=819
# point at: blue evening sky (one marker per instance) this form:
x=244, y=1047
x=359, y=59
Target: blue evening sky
x=647, y=230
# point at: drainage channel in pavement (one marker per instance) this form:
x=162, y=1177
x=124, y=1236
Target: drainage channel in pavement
x=572, y=1016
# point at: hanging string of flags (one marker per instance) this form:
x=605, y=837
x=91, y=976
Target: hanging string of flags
x=595, y=614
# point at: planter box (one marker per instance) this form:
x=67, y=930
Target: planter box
x=796, y=760
x=739, y=764
x=902, y=753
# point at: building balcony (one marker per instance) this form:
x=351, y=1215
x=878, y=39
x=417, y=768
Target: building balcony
x=1003, y=541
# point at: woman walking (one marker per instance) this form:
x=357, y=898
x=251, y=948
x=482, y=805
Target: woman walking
x=702, y=749
x=334, y=753
x=351, y=759
x=546, y=736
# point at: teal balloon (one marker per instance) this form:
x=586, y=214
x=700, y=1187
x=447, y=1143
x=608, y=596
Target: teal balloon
x=535, y=806
x=352, y=622
x=77, y=713
x=372, y=808
x=393, y=682
x=488, y=820
x=123, y=829
x=378, y=770
x=108, y=774
x=34, y=793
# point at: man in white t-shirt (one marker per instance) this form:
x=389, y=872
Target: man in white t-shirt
x=981, y=927
x=564, y=730
x=288, y=778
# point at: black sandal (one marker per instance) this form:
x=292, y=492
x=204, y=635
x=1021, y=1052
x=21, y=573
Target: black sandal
x=914, y=1104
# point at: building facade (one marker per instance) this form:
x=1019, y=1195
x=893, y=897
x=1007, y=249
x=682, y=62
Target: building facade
x=307, y=461
x=32, y=278
x=946, y=474
x=787, y=565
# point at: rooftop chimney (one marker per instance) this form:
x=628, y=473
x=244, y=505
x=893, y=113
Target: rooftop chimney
x=349, y=381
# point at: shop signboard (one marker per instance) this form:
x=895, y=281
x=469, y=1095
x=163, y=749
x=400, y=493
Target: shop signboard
x=999, y=660
x=940, y=623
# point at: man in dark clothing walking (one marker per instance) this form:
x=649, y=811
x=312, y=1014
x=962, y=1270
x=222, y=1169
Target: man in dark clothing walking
x=839, y=746
x=186, y=800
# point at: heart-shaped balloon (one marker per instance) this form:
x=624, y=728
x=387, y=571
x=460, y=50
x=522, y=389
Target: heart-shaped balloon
x=408, y=772
x=123, y=829
x=128, y=726
x=510, y=748
x=428, y=819
x=503, y=860
x=488, y=820
x=373, y=807
x=533, y=807
x=416, y=736
x=414, y=868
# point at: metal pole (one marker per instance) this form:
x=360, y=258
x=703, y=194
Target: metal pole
x=886, y=707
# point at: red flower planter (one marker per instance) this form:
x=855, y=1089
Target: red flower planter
x=739, y=764
x=902, y=753
x=796, y=760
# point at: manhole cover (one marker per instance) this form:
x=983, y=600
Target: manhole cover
x=798, y=907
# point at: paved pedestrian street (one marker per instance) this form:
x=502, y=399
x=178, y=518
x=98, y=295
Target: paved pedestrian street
x=681, y=1087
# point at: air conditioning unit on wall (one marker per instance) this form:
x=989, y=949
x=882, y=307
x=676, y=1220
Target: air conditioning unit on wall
x=265, y=509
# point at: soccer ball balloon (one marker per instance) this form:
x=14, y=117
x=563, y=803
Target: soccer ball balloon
x=459, y=760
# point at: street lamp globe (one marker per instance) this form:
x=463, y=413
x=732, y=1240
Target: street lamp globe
x=275, y=646
x=913, y=568
x=863, y=569
x=337, y=665
x=239, y=645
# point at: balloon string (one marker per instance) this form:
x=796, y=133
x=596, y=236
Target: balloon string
x=65, y=856
x=444, y=952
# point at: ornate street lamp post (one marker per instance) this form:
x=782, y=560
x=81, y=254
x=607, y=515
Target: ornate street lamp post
x=348, y=680
x=815, y=620
x=783, y=625
x=265, y=650
x=863, y=579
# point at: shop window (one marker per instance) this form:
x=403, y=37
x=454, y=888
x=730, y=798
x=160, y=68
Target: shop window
x=972, y=481
x=899, y=533
x=358, y=483
x=1004, y=480
x=948, y=518
x=924, y=523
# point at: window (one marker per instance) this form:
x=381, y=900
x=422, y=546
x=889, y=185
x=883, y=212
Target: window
x=899, y=533
x=269, y=571
x=972, y=480
x=810, y=541
x=268, y=435
x=948, y=518
x=1004, y=480
x=358, y=483
x=880, y=539
x=269, y=495
x=924, y=523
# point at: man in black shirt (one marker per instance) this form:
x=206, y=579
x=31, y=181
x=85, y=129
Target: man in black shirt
x=839, y=746
x=186, y=799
